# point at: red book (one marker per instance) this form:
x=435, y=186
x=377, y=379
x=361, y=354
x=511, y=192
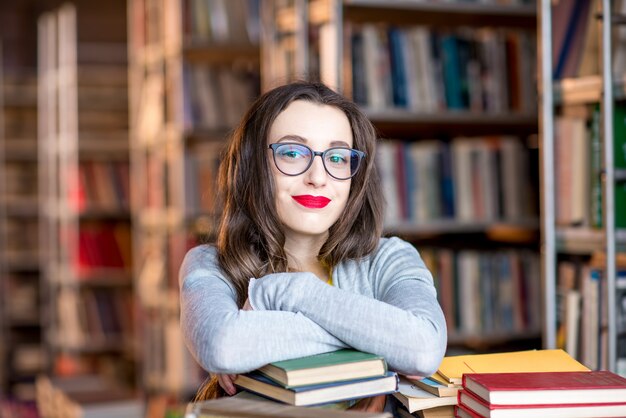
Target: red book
x=544, y=388
x=462, y=412
x=478, y=406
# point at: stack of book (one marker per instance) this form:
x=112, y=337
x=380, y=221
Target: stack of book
x=542, y=394
x=426, y=398
x=436, y=396
x=333, y=377
x=248, y=408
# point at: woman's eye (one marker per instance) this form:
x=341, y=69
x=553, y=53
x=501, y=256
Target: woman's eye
x=292, y=154
x=337, y=159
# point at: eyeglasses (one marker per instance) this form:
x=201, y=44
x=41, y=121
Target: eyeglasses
x=293, y=159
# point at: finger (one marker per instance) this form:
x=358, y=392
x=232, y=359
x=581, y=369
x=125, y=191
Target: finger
x=226, y=384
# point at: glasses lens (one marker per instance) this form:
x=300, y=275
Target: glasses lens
x=342, y=163
x=292, y=159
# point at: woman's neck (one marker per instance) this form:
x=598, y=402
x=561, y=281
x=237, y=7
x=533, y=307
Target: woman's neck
x=302, y=254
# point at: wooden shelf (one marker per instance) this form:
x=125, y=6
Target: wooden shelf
x=196, y=52
x=96, y=345
x=160, y=219
x=515, y=232
x=585, y=90
x=89, y=305
x=105, y=278
x=106, y=146
x=440, y=13
x=490, y=339
x=22, y=261
x=199, y=52
x=21, y=150
x=17, y=322
x=398, y=122
x=27, y=207
x=68, y=276
x=585, y=241
x=104, y=214
x=207, y=135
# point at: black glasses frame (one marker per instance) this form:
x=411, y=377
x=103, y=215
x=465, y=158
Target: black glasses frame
x=321, y=154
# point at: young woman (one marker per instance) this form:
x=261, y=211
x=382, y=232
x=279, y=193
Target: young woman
x=299, y=267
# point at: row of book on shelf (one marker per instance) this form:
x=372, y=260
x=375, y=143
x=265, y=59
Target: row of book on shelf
x=216, y=97
x=582, y=302
x=95, y=316
x=234, y=22
x=576, y=39
x=483, y=293
x=427, y=70
x=578, y=161
x=168, y=366
x=103, y=186
x=546, y=383
x=103, y=245
x=222, y=21
x=24, y=243
x=20, y=181
x=482, y=179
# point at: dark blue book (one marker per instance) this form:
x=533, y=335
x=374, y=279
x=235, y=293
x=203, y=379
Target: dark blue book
x=318, y=394
x=398, y=70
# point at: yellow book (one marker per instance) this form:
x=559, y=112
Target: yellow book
x=440, y=379
x=453, y=368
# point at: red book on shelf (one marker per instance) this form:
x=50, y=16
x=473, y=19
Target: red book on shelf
x=473, y=403
x=547, y=387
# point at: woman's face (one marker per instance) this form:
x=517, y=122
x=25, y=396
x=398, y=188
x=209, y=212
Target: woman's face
x=309, y=203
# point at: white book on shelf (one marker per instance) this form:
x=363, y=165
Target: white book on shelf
x=430, y=87
x=373, y=60
x=580, y=177
x=590, y=319
x=572, y=322
x=511, y=178
x=469, y=292
x=462, y=178
x=413, y=76
x=487, y=177
x=329, y=55
x=386, y=163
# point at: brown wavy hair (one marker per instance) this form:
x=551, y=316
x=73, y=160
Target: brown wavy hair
x=250, y=236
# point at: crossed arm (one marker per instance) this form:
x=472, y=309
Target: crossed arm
x=296, y=314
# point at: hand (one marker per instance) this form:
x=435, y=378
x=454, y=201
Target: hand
x=247, y=306
x=373, y=404
x=226, y=382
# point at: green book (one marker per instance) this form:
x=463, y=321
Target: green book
x=619, y=148
x=335, y=366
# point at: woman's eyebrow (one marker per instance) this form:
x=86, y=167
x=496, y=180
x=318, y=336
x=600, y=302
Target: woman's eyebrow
x=296, y=138
x=339, y=144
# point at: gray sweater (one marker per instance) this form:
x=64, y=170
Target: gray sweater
x=384, y=304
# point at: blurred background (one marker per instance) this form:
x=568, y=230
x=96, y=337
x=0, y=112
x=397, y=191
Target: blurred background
x=114, y=116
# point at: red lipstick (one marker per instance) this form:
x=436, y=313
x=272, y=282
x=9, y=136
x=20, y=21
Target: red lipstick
x=308, y=201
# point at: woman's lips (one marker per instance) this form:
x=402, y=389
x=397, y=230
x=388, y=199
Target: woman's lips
x=308, y=201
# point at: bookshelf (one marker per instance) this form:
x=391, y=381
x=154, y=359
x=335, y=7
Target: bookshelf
x=193, y=71
x=582, y=185
x=19, y=216
x=446, y=84
x=85, y=190
x=22, y=355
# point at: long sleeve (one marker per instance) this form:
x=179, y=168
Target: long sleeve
x=225, y=339
x=402, y=321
